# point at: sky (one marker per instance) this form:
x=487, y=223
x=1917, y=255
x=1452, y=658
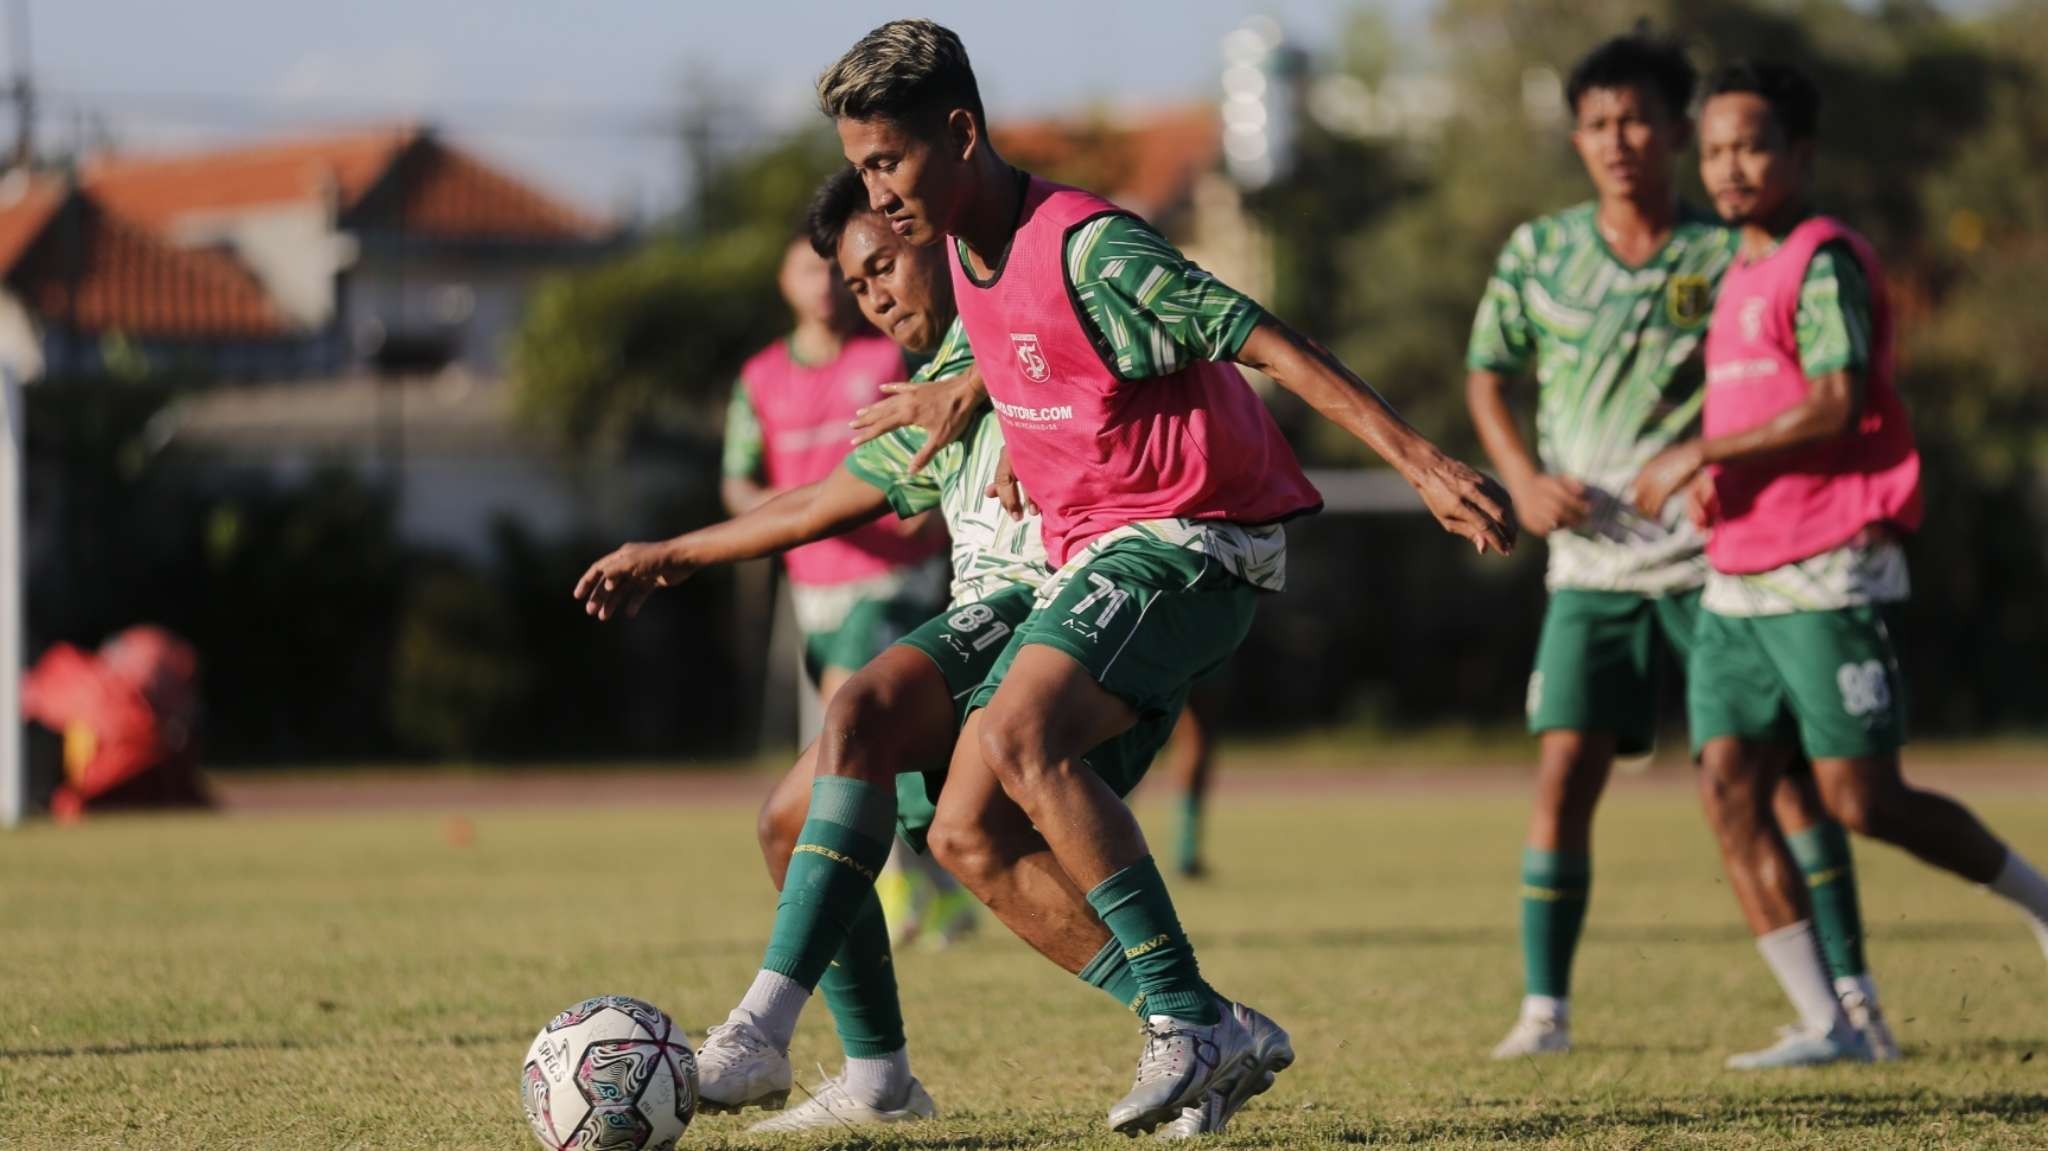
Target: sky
x=578, y=96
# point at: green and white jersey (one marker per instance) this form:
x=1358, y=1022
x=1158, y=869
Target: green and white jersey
x=1833, y=327
x=1616, y=353
x=991, y=551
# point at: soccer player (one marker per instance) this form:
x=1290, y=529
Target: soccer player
x=1605, y=305
x=1162, y=480
x=786, y=427
x=1807, y=474
x=915, y=687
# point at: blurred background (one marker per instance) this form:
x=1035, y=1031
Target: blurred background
x=349, y=336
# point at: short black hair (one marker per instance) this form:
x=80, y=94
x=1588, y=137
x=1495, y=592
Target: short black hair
x=837, y=201
x=1637, y=60
x=907, y=71
x=1793, y=99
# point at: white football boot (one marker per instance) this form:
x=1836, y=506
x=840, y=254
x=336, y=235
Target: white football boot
x=1805, y=1047
x=1536, y=1033
x=831, y=1107
x=1859, y=1003
x=1272, y=1052
x=1180, y=1063
x=738, y=1067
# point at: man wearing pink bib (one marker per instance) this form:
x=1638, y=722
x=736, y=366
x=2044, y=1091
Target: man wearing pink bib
x=787, y=427
x=1162, y=482
x=1806, y=478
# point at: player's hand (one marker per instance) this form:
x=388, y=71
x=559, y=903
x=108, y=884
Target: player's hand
x=1702, y=504
x=1663, y=477
x=944, y=409
x=1546, y=503
x=1466, y=503
x=620, y=582
x=1007, y=490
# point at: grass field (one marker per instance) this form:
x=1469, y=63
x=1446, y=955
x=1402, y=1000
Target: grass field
x=371, y=981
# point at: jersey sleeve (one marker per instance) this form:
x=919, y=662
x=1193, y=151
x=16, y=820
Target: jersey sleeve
x=1502, y=338
x=745, y=447
x=883, y=463
x=1153, y=309
x=1834, y=323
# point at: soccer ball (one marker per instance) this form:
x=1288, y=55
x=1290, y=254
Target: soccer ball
x=609, y=1074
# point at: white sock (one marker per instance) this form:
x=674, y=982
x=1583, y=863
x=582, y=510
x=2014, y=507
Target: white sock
x=2020, y=883
x=772, y=1004
x=1555, y=1008
x=881, y=1081
x=1856, y=985
x=1794, y=958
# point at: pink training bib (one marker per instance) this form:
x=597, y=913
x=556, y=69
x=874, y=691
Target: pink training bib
x=804, y=411
x=1802, y=503
x=1096, y=451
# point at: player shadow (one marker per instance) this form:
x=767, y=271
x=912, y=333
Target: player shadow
x=273, y=1044
x=1685, y=934
x=1841, y=1110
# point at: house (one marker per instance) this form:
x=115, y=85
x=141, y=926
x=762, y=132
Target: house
x=319, y=257
x=1164, y=164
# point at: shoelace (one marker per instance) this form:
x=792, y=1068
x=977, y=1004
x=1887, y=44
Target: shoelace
x=1161, y=1056
x=744, y=1039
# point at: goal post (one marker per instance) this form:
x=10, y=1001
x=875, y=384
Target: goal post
x=13, y=578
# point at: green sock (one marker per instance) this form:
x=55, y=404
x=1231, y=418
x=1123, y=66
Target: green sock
x=1111, y=972
x=860, y=987
x=1554, y=887
x=1135, y=906
x=1822, y=852
x=1190, y=850
x=831, y=878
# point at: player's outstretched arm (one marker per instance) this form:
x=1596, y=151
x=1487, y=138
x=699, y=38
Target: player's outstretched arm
x=1465, y=502
x=620, y=582
x=1544, y=503
x=1833, y=404
x=945, y=409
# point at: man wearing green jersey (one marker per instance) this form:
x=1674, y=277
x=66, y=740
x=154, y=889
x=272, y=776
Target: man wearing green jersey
x=1605, y=304
x=918, y=687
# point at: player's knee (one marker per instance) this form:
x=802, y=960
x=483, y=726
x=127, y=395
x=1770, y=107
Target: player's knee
x=1865, y=808
x=857, y=738
x=1015, y=749
x=1729, y=788
x=964, y=848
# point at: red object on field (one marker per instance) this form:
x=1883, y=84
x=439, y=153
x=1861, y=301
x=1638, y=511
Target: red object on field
x=129, y=716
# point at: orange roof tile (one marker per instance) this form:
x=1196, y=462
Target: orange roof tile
x=1147, y=162
x=449, y=193
x=156, y=191
x=122, y=278
x=26, y=205
x=445, y=192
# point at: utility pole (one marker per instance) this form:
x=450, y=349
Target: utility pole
x=20, y=88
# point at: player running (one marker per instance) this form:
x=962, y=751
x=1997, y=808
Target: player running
x=1808, y=476
x=1605, y=305
x=1162, y=480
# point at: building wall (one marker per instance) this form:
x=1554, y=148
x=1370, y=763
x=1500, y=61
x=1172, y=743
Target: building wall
x=293, y=249
x=477, y=306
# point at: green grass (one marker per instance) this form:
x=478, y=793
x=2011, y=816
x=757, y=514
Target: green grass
x=363, y=982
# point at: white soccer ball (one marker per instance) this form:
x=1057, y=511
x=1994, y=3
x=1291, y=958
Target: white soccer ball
x=609, y=1074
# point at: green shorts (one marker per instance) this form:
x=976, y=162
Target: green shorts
x=965, y=643
x=1825, y=681
x=869, y=626
x=1146, y=620
x=1596, y=663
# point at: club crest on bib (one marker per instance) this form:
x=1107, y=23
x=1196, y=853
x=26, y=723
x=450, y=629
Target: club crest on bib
x=1030, y=357
x=1752, y=318
x=1688, y=300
